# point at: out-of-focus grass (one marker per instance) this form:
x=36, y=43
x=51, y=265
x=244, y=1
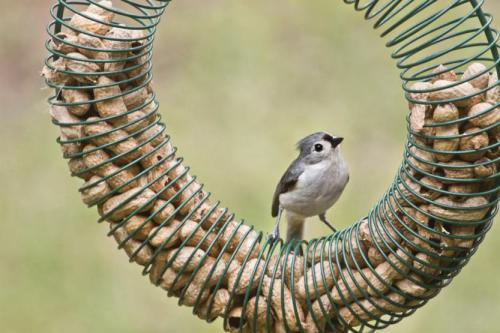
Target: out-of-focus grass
x=239, y=84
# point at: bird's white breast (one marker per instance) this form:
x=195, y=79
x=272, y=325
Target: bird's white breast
x=317, y=188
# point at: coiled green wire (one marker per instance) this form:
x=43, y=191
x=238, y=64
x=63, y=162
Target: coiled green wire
x=423, y=34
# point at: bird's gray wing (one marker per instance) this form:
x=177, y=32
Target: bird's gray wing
x=287, y=182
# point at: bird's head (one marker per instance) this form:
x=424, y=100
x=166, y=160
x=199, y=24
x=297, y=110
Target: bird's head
x=319, y=146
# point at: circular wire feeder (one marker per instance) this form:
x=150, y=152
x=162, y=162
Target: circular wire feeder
x=381, y=269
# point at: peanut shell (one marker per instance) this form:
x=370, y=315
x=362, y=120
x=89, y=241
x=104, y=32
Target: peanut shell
x=163, y=210
x=475, y=143
x=250, y=275
x=284, y=311
x=186, y=259
x=80, y=97
x=77, y=168
x=120, y=179
x=456, y=211
x=445, y=74
x=195, y=235
x=143, y=256
x=422, y=159
x=366, y=309
x=92, y=47
x=64, y=120
x=486, y=170
x=94, y=194
x=411, y=288
x=64, y=42
x=103, y=8
x=493, y=93
x=463, y=93
x=119, y=206
x=92, y=24
x=480, y=74
x=166, y=236
x=450, y=144
x=315, y=277
x=117, y=39
x=445, y=112
x=53, y=72
x=139, y=227
x=215, y=306
x=256, y=313
x=235, y=321
x=428, y=186
x=69, y=149
x=104, y=134
x=85, y=71
x=482, y=117
x=458, y=170
x=136, y=98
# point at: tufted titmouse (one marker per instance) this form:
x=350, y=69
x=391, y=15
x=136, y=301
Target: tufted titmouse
x=311, y=184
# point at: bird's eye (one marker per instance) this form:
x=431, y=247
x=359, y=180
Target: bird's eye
x=318, y=147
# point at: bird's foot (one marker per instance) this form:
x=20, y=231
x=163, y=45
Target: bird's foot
x=274, y=236
x=323, y=219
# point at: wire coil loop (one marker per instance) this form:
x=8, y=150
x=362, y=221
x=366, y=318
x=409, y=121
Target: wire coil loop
x=413, y=242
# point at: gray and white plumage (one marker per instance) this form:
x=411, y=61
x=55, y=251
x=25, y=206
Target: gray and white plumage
x=312, y=183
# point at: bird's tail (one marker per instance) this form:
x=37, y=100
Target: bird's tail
x=295, y=226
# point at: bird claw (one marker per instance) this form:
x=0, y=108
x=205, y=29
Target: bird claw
x=273, y=237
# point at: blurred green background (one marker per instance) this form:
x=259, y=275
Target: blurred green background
x=239, y=83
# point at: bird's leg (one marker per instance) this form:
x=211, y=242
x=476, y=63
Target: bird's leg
x=323, y=219
x=275, y=235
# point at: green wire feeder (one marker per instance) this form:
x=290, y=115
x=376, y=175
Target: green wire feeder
x=371, y=275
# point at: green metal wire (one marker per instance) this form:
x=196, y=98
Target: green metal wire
x=423, y=35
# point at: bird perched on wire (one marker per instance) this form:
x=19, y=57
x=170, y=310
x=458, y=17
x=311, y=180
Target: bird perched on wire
x=311, y=184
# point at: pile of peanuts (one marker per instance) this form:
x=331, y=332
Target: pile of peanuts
x=193, y=249
x=455, y=152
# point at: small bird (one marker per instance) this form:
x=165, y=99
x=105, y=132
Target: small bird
x=310, y=185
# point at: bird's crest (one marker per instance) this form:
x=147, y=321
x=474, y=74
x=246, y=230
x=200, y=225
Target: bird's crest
x=305, y=145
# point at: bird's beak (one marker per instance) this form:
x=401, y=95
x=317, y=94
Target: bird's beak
x=336, y=141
